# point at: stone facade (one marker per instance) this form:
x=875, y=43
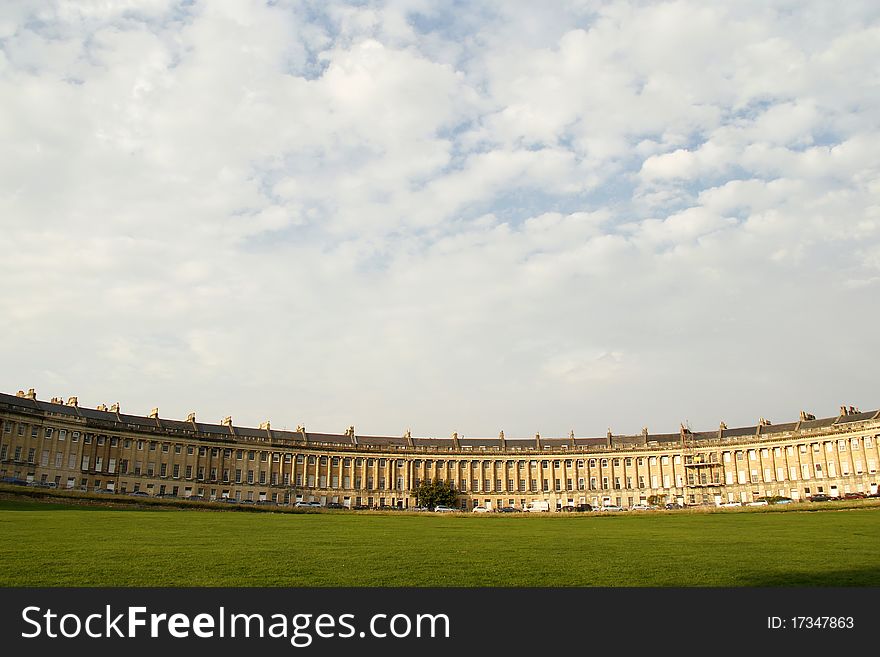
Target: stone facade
x=61, y=444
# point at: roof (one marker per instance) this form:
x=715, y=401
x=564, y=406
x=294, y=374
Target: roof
x=818, y=424
x=739, y=431
x=493, y=443
x=778, y=428
x=856, y=417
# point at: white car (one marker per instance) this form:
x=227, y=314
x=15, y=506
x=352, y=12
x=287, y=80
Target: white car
x=641, y=507
x=730, y=504
x=611, y=507
x=481, y=509
x=308, y=504
x=443, y=509
x=758, y=503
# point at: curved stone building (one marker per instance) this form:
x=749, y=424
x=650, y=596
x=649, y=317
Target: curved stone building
x=69, y=446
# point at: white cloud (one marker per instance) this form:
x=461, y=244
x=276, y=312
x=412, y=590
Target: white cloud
x=398, y=214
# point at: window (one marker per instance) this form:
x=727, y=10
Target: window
x=177, y=449
x=165, y=447
x=189, y=472
x=175, y=471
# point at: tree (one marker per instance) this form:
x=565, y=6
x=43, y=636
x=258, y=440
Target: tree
x=435, y=493
x=656, y=500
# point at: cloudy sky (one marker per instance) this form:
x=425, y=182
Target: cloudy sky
x=442, y=216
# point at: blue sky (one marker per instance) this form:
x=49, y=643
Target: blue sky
x=409, y=215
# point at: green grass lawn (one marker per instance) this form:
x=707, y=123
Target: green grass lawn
x=56, y=545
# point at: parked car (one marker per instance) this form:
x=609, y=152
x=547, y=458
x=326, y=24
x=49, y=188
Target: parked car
x=481, y=509
x=758, y=503
x=673, y=505
x=611, y=507
x=538, y=506
x=819, y=498
x=775, y=499
x=418, y=509
x=335, y=505
x=641, y=507
x=443, y=509
x=302, y=504
x=582, y=508
x=137, y=493
x=854, y=496
x=730, y=504
x=509, y=509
